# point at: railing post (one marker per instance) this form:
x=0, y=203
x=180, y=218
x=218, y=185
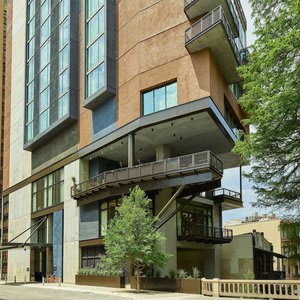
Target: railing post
x=5, y=279
x=215, y=287
x=43, y=280
x=15, y=279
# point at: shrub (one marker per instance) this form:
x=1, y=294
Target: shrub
x=157, y=273
x=181, y=274
x=196, y=273
x=249, y=275
x=172, y=274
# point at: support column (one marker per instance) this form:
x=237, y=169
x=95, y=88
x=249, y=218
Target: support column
x=131, y=149
x=163, y=152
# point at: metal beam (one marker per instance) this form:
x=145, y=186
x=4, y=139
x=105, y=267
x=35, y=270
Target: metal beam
x=175, y=212
x=171, y=201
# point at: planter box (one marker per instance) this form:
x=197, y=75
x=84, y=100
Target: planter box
x=155, y=284
x=189, y=286
x=105, y=281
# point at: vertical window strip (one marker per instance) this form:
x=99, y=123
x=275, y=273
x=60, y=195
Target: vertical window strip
x=64, y=55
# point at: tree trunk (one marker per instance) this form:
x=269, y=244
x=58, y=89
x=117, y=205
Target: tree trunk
x=138, y=277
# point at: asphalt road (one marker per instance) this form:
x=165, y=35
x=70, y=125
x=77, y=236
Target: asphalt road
x=15, y=292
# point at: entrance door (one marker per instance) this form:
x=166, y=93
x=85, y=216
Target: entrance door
x=40, y=263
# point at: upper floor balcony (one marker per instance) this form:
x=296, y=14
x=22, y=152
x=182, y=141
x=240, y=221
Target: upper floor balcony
x=197, y=8
x=203, y=233
x=213, y=31
x=194, y=168
x=229, y=199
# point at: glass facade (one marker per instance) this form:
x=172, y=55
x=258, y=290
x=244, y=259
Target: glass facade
x=95, y=25
x=48, y=64
x=48, y=191
x=159, y=98
x=29, y=102
x=90, y=256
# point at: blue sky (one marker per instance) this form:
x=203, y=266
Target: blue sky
x=231, y=176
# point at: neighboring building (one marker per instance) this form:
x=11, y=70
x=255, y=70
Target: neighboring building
x=269, y=225
x=3, y=209
x=250, y=253
x=104, y=95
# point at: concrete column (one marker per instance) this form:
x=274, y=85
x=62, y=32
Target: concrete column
x=163, y=152
x=131, y=149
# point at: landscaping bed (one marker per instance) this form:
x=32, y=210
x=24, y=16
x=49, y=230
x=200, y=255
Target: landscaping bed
x=105, y=281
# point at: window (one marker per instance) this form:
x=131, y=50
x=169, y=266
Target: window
x=45, y=55
x=90, y=256
x=160, y=98
x=96, y=26
x=31, y=28
x=45, y=31
x=103, y=218
x=30, y=92
x=44, y=78
x=31, y=9
x=48, y=191
x=95, y=44
x=63, y=59
x=96, y=80
x=64, y=34
x=93, y=6
x=45, y=10
x=30, y=50
x=63, y=9
x=63, y=106
x=96, y=53
x=30, y=74
x=44, y=99
x=29, y=112
x=63, y=82
x=44, y=120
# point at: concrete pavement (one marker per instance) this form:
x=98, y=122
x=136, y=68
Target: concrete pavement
x=37, y=291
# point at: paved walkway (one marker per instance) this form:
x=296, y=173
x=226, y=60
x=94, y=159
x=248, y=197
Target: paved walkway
x=36, y=291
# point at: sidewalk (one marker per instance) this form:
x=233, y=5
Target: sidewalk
x=120, y=293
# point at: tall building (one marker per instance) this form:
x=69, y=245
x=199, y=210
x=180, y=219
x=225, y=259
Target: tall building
x=3, y=204
x=105, y=95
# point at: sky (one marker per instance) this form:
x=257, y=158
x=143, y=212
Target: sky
x=231, y=179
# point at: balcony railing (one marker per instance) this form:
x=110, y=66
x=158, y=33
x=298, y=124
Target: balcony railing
x=176, y=166
x=189, y=3
x=204, y=233
x=226, y=192
x=210, y=20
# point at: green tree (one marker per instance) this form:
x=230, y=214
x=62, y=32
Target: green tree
x=272, y=103
x=131, y=238
x=291, y=233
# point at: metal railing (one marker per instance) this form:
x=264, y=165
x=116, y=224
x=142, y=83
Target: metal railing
x=188, y=162
x=257, y=289
x=226, y=192
x=229, y=3
x=211, y=19
x=198, y=231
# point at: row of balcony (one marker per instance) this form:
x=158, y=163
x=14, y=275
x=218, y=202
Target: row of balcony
x=218, y=30
x=181, y=166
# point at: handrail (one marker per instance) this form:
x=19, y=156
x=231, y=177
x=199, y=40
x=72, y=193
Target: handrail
x=226, y=192
x=170, y=165
x=230, y=5
x=258, y=289
x=204, y=231
x=207, y=22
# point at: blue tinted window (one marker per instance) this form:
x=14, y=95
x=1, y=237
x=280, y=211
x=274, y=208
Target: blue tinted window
x=160, y=98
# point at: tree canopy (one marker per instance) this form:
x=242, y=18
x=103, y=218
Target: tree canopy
x=272, y=103
x=131, y=236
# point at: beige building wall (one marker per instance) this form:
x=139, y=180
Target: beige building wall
x=237, y=257
x=71, y=226
x=270, y=228
x=20, y=160
x=19, y=220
